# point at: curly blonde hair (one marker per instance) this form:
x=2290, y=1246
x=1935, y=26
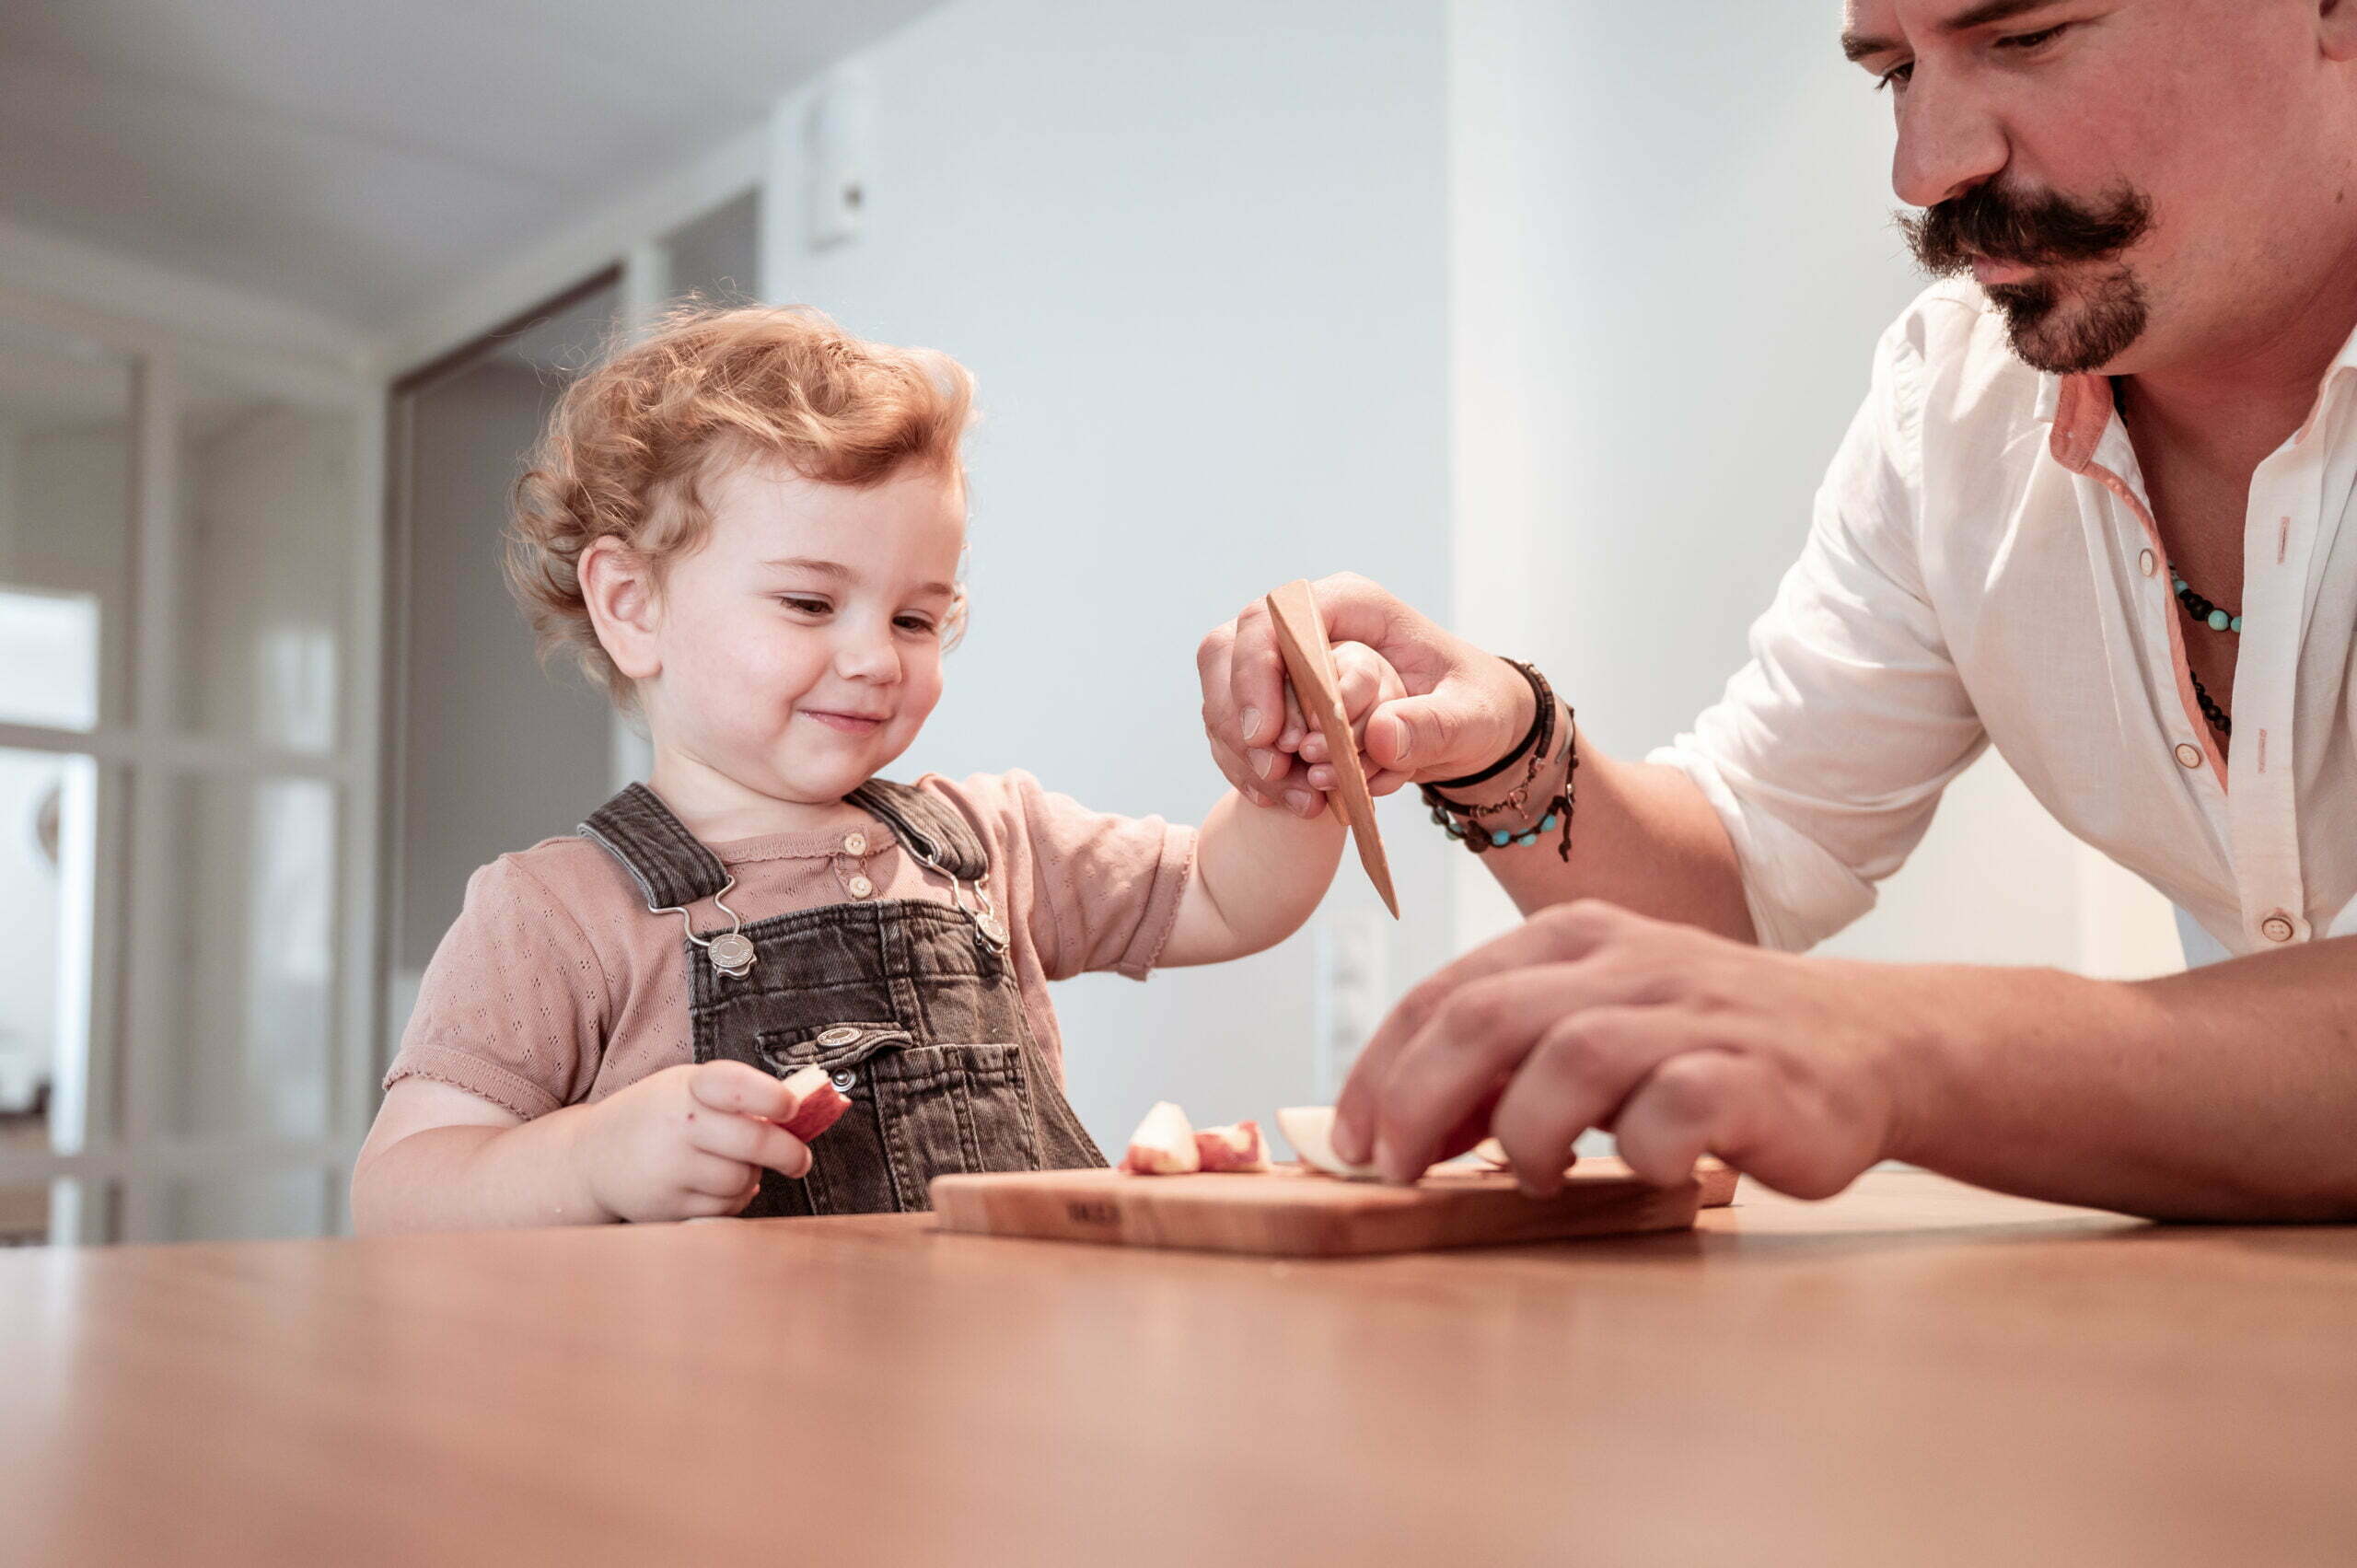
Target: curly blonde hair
x=634, y=439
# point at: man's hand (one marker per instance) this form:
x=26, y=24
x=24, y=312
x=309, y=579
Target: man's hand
x=1682, y=1042
x=1463, y=710
x=687, y=1143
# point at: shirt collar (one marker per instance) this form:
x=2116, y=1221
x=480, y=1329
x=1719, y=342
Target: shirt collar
x=2080, y=408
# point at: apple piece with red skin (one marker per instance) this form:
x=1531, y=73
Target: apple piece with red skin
x=819, y=1104
x=1237, y=1148
x=1164, y=1144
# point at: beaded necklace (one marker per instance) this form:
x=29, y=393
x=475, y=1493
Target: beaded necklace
x=2217, y=620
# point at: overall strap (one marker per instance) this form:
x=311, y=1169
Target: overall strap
x=930, y=828
x=671, y=865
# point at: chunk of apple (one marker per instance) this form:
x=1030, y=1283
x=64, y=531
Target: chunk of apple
x=819, y=1104
x=1238, y=1147
x=1310, y=1129
x=1164, y=1144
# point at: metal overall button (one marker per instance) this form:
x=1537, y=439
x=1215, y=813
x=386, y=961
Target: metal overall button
x=841, y=1034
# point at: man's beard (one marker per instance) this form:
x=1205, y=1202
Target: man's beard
x=2107, y=311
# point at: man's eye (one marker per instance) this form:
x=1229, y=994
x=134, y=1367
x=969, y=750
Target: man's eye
x=1894, y=77
x=2030, y=40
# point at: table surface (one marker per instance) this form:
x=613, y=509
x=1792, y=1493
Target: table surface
x=1913, y=1373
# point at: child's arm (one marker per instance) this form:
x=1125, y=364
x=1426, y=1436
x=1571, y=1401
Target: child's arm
x=1260, y=871
x=686, y=1142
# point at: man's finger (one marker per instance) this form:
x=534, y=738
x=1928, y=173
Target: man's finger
x=1568, y=931
x=1256, y=683
x=1583, y=1067
x=1689, y=1106
x=1480, y=1035
x=741, y=1087
x=1243, y=780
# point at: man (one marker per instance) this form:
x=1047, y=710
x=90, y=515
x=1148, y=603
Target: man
x=2116, y=450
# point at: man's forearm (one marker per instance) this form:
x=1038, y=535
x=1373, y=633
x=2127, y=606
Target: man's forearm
x=1642, y=837
x=2225, y=1093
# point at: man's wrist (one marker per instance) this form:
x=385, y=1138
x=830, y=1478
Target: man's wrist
x=1512, y=728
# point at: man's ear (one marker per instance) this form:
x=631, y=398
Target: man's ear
x=2337, y=29
x=618, y=585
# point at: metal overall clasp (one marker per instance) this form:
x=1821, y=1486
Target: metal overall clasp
x=731, y=952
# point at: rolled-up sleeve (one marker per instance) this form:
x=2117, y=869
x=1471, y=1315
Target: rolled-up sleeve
x=1828, y=752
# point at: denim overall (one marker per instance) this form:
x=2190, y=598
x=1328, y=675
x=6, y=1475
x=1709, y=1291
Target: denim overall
x=910, y=1005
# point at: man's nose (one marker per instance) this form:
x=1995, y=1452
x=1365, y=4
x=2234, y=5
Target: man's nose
x=1949, y=141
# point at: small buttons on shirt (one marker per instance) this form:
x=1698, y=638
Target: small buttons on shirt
x=2189, y=754
x=855, y=844
x=2148, y=563
x=841, y=1034
x=844, y=1080
x=2277, y=927
x=860, y=887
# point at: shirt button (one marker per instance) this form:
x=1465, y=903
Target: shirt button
x=861, y=887
x=2276, y=927
x=2189, y=754
x=855, y=843
x=2148, y=563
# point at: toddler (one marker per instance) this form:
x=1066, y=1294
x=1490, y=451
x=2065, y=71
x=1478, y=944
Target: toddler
x=749, y=527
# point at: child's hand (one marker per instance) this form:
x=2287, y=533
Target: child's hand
x=1366, y=683
x=688, y=1142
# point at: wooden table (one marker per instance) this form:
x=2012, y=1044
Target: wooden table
x=1913, y=1374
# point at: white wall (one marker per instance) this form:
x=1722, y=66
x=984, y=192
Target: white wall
x=1672, y=256
x=1195, y=254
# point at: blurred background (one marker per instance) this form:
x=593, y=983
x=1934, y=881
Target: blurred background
x=1545, y=313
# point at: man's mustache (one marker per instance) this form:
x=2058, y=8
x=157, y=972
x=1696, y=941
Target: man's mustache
x=2044, y=229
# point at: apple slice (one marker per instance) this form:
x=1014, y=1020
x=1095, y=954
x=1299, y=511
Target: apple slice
x=818, y=1104
x=1490, y=1152
x=1232, y=1148
x=1164, y=1144
x=1310, y=1129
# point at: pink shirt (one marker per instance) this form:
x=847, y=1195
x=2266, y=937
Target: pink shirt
x=555, y=985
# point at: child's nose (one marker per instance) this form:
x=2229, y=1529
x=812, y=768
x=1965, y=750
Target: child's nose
x=869, y=655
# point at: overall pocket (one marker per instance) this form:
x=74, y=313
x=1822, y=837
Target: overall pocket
x=928, y=1110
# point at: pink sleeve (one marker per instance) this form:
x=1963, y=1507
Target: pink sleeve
x=1094, y=892
x=515, y=1002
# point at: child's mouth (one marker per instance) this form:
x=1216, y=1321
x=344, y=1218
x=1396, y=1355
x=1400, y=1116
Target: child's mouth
x=849, y=724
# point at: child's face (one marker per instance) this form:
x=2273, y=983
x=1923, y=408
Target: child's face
x=800, y=647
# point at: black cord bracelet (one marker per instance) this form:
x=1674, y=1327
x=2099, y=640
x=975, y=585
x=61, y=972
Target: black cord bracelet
x=1541, y=721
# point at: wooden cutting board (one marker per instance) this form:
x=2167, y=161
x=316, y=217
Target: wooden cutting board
x=1289, y=1213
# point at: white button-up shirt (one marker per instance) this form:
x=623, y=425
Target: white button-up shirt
x=1983, y=568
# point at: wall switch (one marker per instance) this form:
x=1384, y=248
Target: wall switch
x=839, y=137
x=1352, y=965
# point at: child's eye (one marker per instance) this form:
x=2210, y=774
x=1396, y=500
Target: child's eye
x=806, y=606
x=913, y=623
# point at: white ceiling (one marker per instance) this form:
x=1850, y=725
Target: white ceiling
x=359, y=158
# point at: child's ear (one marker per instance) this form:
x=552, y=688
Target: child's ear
x=618, y=587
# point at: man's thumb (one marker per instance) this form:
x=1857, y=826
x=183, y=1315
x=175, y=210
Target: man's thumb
x=1411, y=734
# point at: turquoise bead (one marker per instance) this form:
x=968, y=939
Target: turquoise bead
x=1500, y=838
x=2236, y=624
x=2219, y=620
x=1528, y=839
x=1548, y=825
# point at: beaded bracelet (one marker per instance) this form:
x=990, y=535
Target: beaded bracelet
x=1464, y=823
